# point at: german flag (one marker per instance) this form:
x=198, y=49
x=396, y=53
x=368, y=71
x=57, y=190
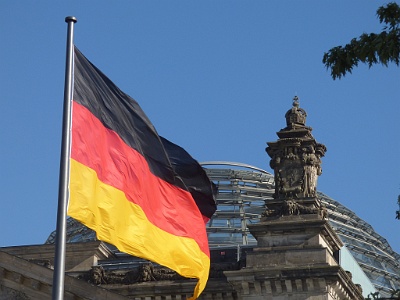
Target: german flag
x=138, y=191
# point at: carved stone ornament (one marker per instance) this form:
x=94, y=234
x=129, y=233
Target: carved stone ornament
x=292, y=207
x=296, y=157
x=144, y=273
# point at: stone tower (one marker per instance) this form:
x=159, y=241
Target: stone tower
x=296, y=256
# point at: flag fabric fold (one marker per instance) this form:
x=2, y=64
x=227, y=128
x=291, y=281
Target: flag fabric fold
x=137, y=190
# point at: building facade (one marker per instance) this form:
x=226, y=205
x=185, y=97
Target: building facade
x=273, y=236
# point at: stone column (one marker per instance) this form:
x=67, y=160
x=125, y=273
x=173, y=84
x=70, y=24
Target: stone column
x=296, y=256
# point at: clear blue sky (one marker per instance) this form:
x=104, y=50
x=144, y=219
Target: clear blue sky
x=215, y=77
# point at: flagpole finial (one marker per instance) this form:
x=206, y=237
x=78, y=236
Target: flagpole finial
x=70, y=19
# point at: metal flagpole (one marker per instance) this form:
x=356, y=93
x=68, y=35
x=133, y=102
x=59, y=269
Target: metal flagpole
x=61, y=230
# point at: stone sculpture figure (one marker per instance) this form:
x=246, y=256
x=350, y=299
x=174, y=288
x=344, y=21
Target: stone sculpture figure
x=312, y=169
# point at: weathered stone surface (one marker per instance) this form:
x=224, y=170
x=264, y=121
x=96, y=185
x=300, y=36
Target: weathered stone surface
x=296, y=230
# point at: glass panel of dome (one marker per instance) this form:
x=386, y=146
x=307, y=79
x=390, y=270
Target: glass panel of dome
x=383, y=281
x=376, y=263
x=392, y=270
x=368, y=260
x=379, y=251
x=358, y=243
x=356, y=255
